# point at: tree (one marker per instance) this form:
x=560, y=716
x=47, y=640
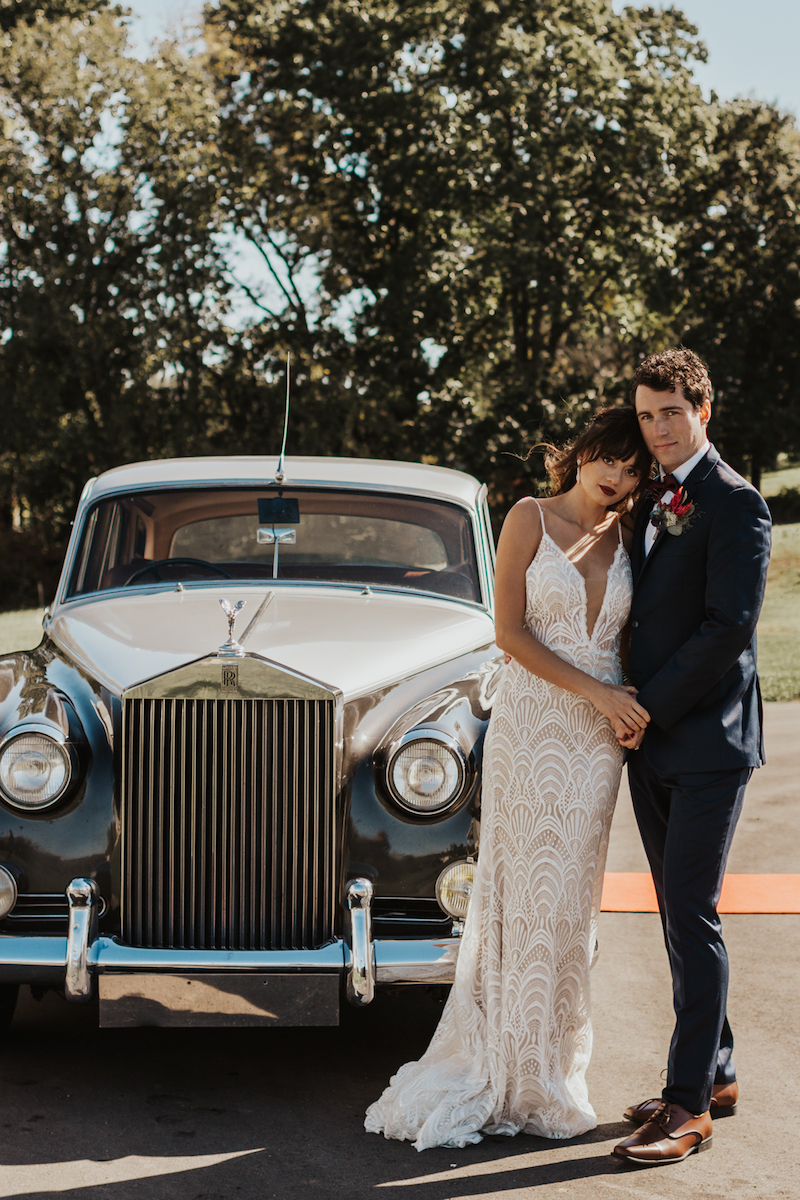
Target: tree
x=488, y=190
x=739, y=276
x=112, y=288
x=29, y=12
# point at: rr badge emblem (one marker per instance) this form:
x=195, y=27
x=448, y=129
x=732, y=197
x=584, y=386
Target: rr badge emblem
x=230, y=677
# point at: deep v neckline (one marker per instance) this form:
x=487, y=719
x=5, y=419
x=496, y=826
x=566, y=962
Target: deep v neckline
x=568, y=560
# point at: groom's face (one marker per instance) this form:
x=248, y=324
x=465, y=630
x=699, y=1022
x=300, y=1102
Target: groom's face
x=672, y=429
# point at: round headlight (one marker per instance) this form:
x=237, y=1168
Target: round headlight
x=35, y=771
x=427, y=774
x=8, y=892
x=454, y=888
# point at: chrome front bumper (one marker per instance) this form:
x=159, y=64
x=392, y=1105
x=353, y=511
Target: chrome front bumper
x=77, y=960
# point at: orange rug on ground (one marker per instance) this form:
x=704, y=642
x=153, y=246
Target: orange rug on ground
x=633, y=891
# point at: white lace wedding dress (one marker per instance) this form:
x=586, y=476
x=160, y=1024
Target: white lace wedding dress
x=514, y=1041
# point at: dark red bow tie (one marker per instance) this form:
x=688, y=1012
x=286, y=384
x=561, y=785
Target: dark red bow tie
x=656, y=488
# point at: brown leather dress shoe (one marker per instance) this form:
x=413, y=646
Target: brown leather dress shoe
x=724, y=1097
x=670, y=1135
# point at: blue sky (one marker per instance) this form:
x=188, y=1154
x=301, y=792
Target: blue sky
x=753, y=45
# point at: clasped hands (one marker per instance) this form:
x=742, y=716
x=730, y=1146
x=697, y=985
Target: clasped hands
x=618, y=702
x=628, y=719
x=632, y=739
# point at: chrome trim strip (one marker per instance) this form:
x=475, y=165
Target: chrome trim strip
x=258, y=679
x=106, y=954
x=406, y=961
x=199, y=584
x=18, y=950
x=72, y=546
x=484, y=540
x=82, y=897
x=361, y=967
x=416, y=962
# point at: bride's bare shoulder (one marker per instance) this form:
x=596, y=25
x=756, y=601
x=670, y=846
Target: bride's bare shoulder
x=525, y=515
x=522, y=528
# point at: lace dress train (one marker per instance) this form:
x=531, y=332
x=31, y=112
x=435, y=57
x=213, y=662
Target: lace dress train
x=511, y=1050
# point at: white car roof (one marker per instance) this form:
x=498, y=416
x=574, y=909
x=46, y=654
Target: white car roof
x=373, y=473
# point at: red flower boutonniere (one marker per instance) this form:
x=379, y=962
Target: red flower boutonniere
x=675, y=516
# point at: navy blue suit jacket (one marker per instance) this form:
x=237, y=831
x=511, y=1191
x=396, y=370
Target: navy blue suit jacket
x=696, y=602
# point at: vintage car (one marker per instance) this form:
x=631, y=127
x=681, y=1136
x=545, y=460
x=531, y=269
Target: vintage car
x=232, y=830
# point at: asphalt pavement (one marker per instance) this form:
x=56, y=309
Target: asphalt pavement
x=256, y=1114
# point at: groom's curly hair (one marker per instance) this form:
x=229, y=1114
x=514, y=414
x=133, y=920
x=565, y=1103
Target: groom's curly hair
x=668, y=370
x=612, y=431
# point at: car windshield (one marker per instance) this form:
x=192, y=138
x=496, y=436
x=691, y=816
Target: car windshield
x=181, y=535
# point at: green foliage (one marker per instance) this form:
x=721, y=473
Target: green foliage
x=111, y=287
x=28, y=12
x=740, y=279
x=494, y=181
x=473, y=217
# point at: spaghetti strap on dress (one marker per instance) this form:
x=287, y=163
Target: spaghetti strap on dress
x=511, y=1050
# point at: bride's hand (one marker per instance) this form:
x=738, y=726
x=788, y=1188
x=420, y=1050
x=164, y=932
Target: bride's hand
x=632, y=741
x=619, y=704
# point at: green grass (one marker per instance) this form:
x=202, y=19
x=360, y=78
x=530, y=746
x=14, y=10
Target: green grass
x=20, y=630
x=773, y=482
x=779, y=627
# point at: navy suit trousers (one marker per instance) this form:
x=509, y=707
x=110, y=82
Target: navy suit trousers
x=687, y=822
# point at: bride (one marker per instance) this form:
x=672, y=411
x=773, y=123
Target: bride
x=513, y=1044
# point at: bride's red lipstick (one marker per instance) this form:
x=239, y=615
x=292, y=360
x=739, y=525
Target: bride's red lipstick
x=607, y=491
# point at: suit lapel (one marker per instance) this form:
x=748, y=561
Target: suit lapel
x=701, y=471
x=639, y=529
x=690, y=484
x=654, y=549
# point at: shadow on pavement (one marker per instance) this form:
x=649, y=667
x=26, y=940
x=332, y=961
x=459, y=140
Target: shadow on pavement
x=196, y=1114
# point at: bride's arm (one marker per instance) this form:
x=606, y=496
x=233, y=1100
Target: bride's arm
x=519, y=541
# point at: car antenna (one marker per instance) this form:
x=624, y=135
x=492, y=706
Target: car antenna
x=280, y=474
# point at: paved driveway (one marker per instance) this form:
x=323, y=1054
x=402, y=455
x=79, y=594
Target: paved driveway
x=255, y=1114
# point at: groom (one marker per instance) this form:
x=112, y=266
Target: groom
x=700, y=554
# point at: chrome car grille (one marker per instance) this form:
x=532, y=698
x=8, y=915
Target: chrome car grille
x=229, y=829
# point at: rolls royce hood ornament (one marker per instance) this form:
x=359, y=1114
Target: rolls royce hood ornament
x=231, y=648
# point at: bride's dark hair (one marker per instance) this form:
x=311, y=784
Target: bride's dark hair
x=611, y=431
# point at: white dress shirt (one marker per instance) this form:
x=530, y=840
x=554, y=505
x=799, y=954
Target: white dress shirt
x=680, y=473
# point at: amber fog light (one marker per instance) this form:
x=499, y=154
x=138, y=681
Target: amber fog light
x=35, y=770
x=454, y=888
x=8, y=892
x=427, y=773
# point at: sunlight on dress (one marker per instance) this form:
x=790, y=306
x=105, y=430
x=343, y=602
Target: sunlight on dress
x=511, y=1050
